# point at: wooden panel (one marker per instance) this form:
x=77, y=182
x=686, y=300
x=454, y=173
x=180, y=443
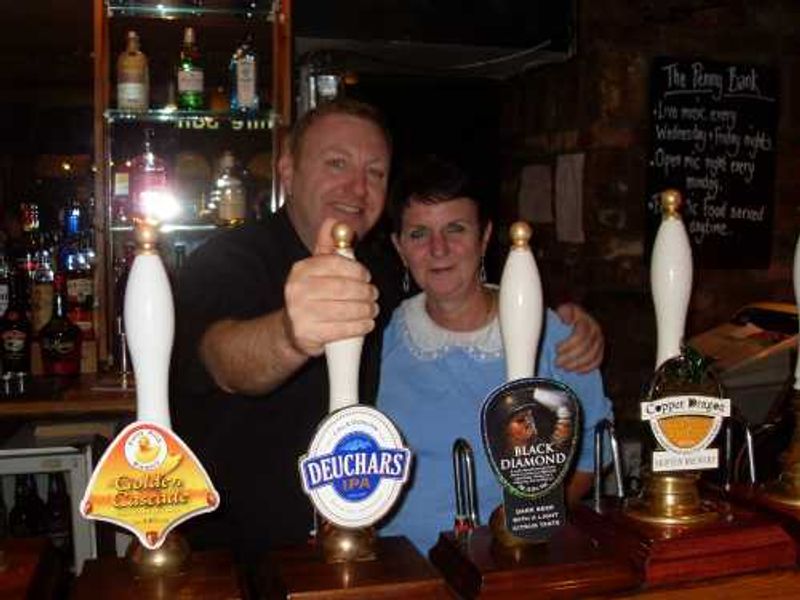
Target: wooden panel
x=774, y=585
x=567, y=566
x=399, y=572
x=31, y=569
x=740, y=541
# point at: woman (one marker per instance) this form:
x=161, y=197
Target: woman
x=442, y=351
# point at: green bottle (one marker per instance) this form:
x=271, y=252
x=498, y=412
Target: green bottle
x=190, y=74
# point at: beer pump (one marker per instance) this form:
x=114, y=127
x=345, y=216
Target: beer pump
x=353, y=472
x=529, y=547
x=672, y=532
x=148, y=480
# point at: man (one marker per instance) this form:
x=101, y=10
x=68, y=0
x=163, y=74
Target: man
x=255, y=307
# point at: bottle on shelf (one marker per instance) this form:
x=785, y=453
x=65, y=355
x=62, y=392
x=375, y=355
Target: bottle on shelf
x=219, y=99
x=133, y=76
x=120, y=201
x=16, y=330
x=229, y=192
x=42, y=290
x=244, y=79
x=190, y=73
x=58, y=513
x=79, y=288
x=191, y=174
x=30, y=244
x=149, y=185
x=26, y=518
x=4, y=283
x=60, y=338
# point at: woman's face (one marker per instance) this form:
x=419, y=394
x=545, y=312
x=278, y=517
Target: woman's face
x=521, y=428
x=441, y=244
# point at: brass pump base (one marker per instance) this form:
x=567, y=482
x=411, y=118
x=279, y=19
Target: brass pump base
x=340, y=545
x=671, y=500
x=169, y=559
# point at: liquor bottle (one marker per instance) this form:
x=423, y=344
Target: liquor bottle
x=244, y=79
x=190, y=73
x=4, y=283
x=148, y=181
x=26, y=518
x=16, y=330
x=58, y=515
x=231, y=195
x=120, y=202
x=133, y=77
x=61, y=338
x=42, y=290
x=79, y=289
x=191, y=174
x=27, y=253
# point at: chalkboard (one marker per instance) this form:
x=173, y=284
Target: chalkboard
x=712, y=136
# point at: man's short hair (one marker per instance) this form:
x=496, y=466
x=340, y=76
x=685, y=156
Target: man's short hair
x=339, y=106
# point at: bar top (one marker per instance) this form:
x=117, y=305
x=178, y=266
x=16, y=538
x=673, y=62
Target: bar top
x=90, y=395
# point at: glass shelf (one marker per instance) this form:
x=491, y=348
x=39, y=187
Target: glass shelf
x=163, y=10
x=168, y=228
x=261, y=120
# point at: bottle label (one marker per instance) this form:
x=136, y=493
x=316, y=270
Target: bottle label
x=246, y=83
x=41, y=305
x=80, y=291
x=3, y=298
x=121, y=184
x=62, y=355
x=14, y=344
x=190, y=81
x=132, y=96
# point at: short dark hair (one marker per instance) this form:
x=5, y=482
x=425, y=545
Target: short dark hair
x=339, y=106
x=431, y=179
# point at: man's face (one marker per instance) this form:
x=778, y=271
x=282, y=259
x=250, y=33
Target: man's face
x=341, y=172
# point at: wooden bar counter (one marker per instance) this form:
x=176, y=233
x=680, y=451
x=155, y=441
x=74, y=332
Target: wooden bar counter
x=88, y=396
x=30, y=568
x=208, y=576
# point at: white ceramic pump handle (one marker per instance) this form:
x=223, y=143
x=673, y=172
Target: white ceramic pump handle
x=670, y=278
x=521, y=305
x=149, y=316
x=343, y=356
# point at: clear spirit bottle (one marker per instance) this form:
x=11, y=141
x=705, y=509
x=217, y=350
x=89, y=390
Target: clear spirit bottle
x=133, y=76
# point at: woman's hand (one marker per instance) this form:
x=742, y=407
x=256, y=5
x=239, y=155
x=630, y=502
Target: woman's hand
x=583, y=350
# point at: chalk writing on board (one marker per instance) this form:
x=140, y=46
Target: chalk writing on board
x=712, y=136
